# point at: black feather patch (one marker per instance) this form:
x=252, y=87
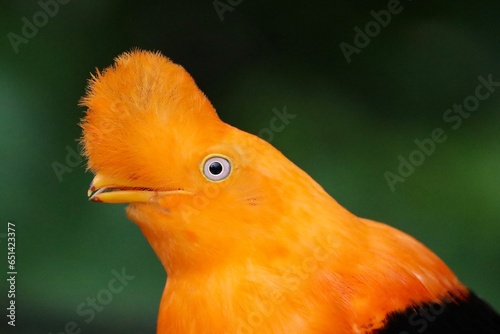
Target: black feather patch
x=469, y=316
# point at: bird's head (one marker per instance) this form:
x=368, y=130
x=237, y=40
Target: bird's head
x=200, y=190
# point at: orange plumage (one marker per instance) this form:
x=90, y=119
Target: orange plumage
x=250, y=243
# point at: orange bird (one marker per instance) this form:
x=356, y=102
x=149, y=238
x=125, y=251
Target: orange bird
x=249, y=241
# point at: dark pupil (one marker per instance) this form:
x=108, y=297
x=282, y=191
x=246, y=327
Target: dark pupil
x=215, y=168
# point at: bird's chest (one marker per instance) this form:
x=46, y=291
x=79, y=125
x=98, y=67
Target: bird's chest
x=203, y=311
x=243, y=308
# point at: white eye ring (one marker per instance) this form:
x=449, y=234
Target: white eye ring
x=216, y=168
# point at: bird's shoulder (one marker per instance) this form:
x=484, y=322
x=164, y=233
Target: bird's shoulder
x=450, y=315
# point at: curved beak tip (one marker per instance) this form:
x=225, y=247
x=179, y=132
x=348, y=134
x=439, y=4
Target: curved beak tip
x=95, y=199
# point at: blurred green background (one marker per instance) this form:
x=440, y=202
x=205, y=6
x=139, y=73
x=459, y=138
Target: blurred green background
x=352, y=122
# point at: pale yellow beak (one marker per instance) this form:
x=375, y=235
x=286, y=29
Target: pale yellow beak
x=107, y=190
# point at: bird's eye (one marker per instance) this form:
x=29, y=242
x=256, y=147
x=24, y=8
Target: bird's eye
x=216, y=168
